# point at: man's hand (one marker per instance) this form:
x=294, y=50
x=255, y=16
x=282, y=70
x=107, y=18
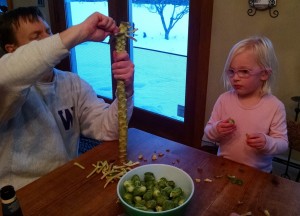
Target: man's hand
x=95, y=28
x=123, y=69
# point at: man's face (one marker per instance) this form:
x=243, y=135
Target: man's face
x=29, y=31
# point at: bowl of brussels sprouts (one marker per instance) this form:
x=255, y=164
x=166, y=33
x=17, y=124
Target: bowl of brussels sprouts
x=155, y=189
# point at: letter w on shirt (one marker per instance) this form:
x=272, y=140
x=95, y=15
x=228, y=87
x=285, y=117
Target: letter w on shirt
x=66, y=117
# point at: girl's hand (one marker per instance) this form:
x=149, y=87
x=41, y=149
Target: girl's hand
x=256, y=140
x=226, y=127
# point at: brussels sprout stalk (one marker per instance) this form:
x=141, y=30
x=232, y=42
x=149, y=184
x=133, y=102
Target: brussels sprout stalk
x=121, y=39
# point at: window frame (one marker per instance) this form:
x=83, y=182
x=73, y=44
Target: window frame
x=190, y=131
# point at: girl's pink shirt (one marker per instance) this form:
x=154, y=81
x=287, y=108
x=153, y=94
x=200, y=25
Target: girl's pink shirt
x=267, y=117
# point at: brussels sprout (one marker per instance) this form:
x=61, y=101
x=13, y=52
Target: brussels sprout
x=160, y=199
x=162, y=183
x=128, y=197
x=128, y=184
x=171, y=184
x=168, y=204
x=149, y=184
x=136, y=180
x=137, y=199
x=148, y=195
x=176, y=192
x=140, y=206
x=179, y=200
x=139, y=190
x=149, y=176
x=166, y=191
x=150, y=204
x=158, y=208
x=156, y=192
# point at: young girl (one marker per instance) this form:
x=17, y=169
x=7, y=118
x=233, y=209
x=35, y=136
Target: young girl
x=248, y=122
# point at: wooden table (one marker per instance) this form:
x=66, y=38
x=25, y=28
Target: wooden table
x=66, y=191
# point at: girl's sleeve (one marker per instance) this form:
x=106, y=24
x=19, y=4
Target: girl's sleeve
x=277, y=140
x=210, y=129
x=21, y=69
x=99, y=120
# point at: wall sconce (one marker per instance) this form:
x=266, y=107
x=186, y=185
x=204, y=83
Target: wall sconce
x=262, y=5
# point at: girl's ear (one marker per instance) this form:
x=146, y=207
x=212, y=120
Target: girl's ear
x=265, y=74
x=10, y=48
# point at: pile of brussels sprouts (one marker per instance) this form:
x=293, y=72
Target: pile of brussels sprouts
x=151, y=194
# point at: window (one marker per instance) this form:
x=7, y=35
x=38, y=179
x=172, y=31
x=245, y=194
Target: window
x=159, y=54
x=90, y=60
x=3, y=6
x=170, y=67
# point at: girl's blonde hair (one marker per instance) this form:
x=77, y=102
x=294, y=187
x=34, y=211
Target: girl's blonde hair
x=265, y=57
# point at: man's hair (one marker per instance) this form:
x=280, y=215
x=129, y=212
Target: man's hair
x=10, y=21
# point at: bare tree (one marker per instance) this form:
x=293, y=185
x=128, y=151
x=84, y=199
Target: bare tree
x=180, y=8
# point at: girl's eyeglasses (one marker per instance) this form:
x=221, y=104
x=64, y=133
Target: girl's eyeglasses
x=242, y=73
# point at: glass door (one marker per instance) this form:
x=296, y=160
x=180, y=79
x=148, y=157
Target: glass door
x=90, y=60
x=160, y=56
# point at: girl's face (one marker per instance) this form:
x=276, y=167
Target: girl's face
x=246, y=76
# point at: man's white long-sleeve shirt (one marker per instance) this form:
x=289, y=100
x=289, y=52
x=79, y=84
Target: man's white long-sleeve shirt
x=40, y=123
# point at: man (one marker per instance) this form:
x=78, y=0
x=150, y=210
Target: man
x=43, y=110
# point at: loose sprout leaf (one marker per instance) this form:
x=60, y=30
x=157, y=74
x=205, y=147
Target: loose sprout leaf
x=79, y=165
x=154, y=157
x=235, y=180
x=266, y=212
x=208, y=180
x=231, y=121
x=110, y=171
x=240, y=202
x=247, y=214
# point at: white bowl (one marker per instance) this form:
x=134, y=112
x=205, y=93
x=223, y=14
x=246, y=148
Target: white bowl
x=180, y=177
